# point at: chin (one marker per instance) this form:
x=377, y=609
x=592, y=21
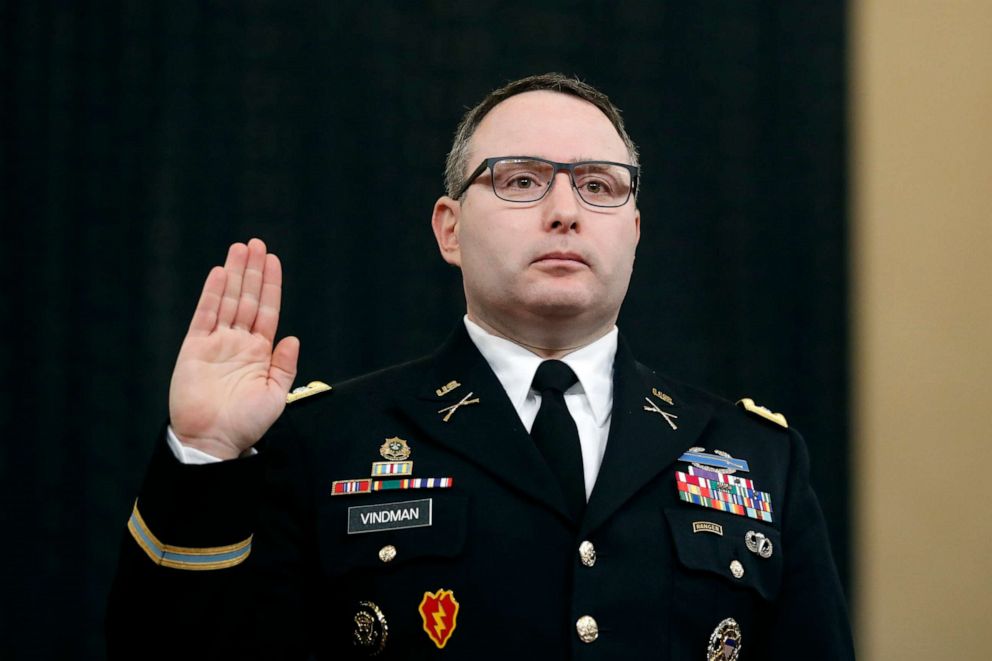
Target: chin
x=561, y=304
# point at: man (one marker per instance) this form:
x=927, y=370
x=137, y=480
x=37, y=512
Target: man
x=528, y=491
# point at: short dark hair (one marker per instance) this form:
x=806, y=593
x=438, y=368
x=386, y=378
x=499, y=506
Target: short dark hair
x=456, y=167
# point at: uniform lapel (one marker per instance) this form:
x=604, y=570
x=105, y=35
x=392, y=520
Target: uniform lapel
x=488, y=433
x=641, y=443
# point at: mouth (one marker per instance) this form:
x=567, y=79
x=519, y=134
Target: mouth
x=561, y=258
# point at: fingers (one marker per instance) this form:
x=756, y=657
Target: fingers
x=251, y=286
x=270, y=300
x=205, y=316
x=237, y=259
x=283, y=367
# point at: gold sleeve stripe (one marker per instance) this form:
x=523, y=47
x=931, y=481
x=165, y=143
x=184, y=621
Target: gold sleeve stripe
x=181, y=557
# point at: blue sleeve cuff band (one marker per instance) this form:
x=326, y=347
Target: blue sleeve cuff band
x=180, y=557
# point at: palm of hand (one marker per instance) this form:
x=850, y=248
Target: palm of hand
x=229, y=385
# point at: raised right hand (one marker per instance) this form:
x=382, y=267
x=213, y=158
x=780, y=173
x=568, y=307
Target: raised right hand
x=229, y=384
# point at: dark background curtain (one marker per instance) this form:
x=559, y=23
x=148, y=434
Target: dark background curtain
x=141, y=138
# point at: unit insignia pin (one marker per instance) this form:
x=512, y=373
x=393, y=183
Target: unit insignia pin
x=764, y=412
x=439, y=611
x=758, y=543
x=371, y=629
x=446, y=388
x=312, y=388
x=395, y=449
x=653, y=408
x=450, y=410
x=725, y=642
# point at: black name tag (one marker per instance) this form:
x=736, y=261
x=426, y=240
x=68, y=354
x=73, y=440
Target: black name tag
x=390, y=516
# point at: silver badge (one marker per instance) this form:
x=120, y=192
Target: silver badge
x=758, y=543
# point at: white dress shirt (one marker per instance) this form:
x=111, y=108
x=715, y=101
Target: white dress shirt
x=590, y=400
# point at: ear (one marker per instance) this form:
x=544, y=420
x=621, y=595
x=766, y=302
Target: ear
x=637, y=226
x=446, y=223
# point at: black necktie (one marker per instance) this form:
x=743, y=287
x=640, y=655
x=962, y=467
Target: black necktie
x=555, y=434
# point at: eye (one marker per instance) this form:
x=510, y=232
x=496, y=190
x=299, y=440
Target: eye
x=522, y=182
x=597, y=186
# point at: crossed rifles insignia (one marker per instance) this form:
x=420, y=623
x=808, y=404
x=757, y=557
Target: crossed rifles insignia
x=670, y=418
x=450, y=410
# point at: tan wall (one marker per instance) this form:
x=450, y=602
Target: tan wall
x=921, y=103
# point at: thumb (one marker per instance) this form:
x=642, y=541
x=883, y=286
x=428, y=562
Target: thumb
x=282, y=369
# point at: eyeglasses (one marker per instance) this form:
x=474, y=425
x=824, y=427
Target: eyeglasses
x=528, y=179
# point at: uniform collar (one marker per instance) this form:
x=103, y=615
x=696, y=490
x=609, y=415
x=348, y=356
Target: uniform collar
x=515, y=367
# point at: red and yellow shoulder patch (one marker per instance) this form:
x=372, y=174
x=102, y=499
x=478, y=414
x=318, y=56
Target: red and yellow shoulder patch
x=439, y=611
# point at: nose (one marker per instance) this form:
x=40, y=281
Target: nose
x=561, y=205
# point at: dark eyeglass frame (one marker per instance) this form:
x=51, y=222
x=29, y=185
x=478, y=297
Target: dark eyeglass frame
x=556, y=168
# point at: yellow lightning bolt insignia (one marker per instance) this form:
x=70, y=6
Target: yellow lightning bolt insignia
x=439, y=621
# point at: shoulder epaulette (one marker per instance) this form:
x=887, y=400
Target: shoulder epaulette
x=748, y=404
x=311, y=388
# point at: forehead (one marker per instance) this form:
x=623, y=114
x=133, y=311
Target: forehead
x=552, y=125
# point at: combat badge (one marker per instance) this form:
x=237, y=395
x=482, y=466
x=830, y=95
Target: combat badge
x=371, y=629
x=718, y=460
x=725, y=642
x=395, y=449
x=439, y=610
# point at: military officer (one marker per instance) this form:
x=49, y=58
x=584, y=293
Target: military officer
x=528, y=491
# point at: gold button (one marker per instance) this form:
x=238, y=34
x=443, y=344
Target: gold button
x=737, y=569
x=387, y=553
x=587, y=553
x=587, y=628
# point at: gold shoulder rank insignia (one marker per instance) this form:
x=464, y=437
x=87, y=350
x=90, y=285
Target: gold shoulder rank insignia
x=777, y=418
x=311, y=388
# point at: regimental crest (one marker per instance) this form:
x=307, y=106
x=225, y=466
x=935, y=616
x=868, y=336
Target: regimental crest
x=395, y=449
x=439, y=611
x=725, y=642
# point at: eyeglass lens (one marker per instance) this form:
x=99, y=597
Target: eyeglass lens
x=525, y=180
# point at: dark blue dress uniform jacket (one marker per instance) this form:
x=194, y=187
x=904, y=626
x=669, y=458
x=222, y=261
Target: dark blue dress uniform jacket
x=500, y=538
